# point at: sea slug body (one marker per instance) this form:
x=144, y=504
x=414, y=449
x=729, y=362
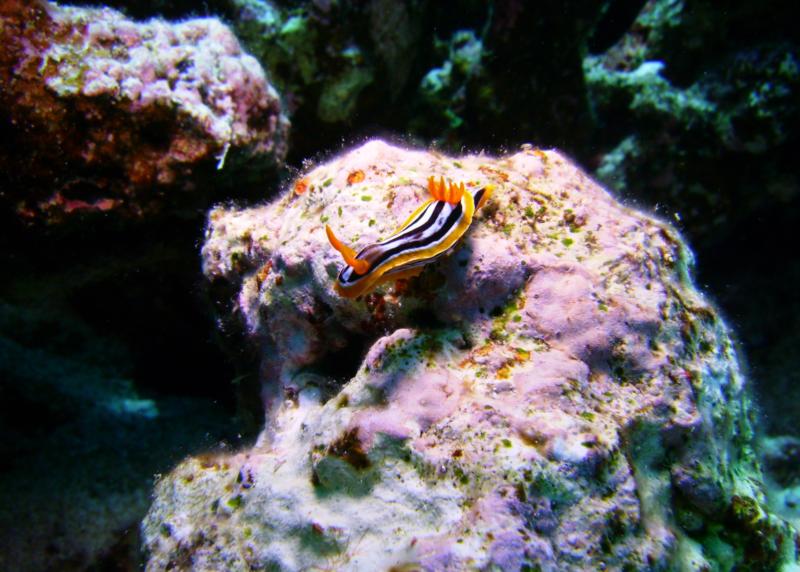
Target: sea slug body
x=430, y=232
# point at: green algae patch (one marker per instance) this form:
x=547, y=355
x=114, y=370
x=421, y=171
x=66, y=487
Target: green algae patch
x=334, y=475
x=346, y=468
x=235, y=502
x=502, y=315
x=318, y=540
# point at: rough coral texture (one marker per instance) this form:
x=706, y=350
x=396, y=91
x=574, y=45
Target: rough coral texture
x=555, y=395
x=685, y=108
x=321, y=58
x=104, y=113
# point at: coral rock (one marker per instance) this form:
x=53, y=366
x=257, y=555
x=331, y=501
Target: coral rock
x=554, y=395
x=104, y=113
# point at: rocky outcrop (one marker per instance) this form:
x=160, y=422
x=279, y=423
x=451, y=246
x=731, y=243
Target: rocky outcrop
x=105, y=114
x=554, y=395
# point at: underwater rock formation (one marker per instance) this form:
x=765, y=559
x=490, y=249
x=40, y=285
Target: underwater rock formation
x=102, y=113
x=501, y=70
x=507, y=75
x=443, y=90
x=554, y=395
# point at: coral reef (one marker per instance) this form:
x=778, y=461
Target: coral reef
x=453, y=416
x=443, y=90
x=337, y=64
x=554, y=395
x=505, y=72
x=500, y=71
x=105, y=114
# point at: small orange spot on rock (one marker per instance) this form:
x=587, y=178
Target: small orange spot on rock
x=301, y=186
x=541, y=154
x=263, y=272
x=483, y=350
x=106, y=204
x=26, y=212
x=496, y=174
x=355, y=177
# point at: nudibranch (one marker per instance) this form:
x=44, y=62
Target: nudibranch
x=430, y=232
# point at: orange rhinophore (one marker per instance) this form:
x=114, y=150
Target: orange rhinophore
x=449, y=193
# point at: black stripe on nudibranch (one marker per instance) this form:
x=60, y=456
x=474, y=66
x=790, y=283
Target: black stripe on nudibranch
x=432, y=213
x=423, y=242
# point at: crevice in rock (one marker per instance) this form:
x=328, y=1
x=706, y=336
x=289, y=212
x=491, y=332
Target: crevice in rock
x=338, y=367
x=424, y=319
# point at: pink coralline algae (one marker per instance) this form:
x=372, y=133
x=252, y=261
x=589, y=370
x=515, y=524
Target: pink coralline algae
x=554, y=395
x=109, y=114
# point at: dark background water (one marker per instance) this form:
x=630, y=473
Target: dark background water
x=113, y=366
